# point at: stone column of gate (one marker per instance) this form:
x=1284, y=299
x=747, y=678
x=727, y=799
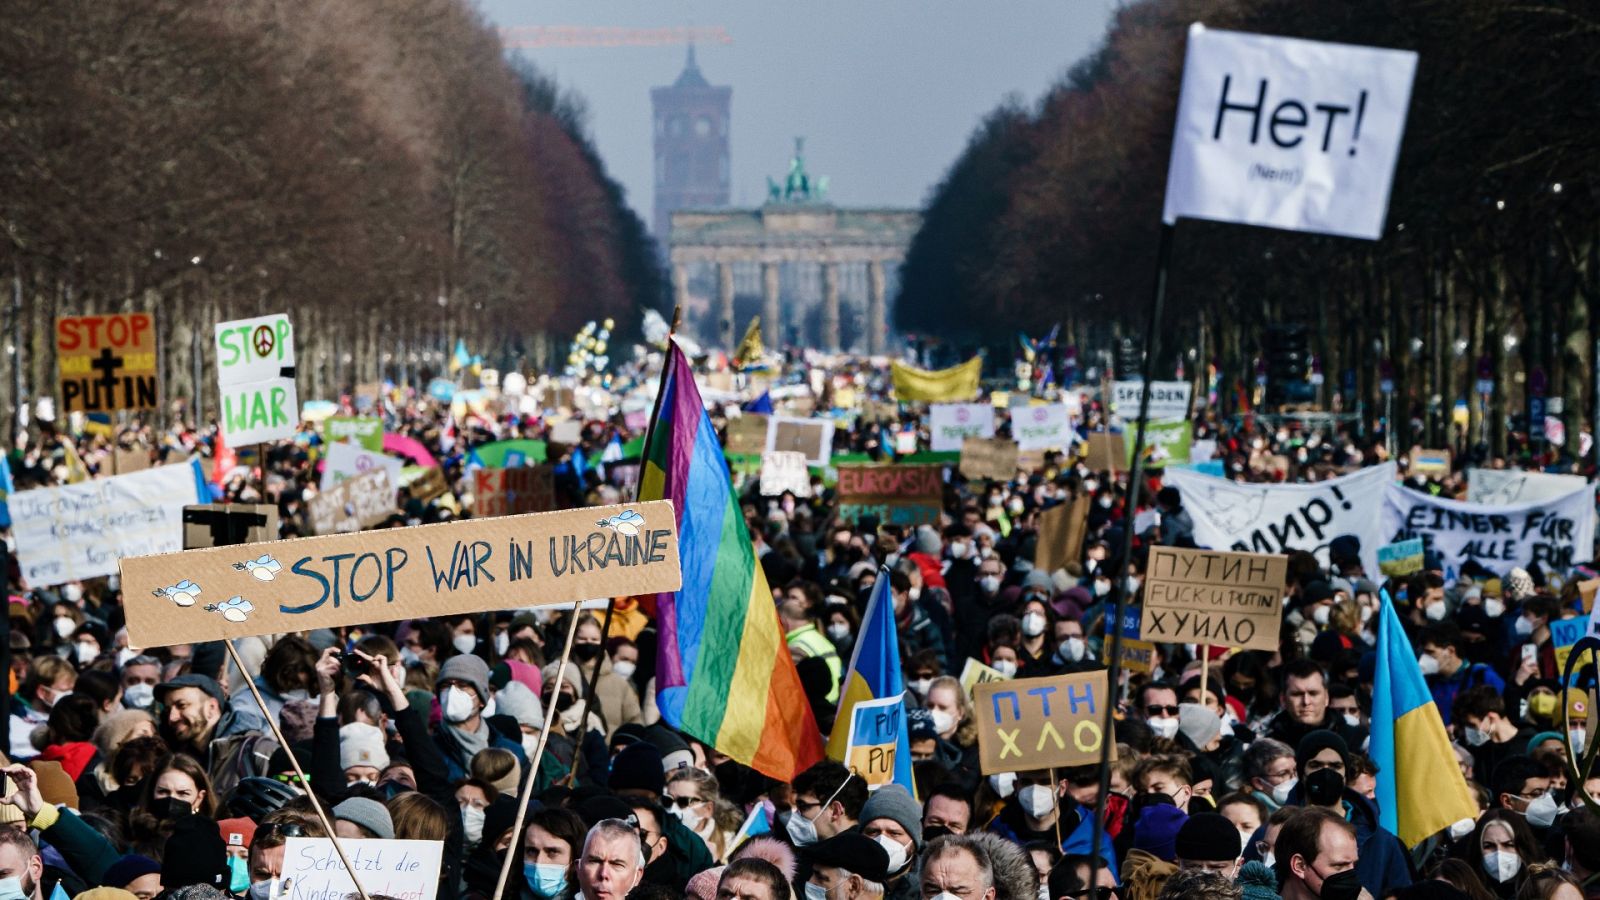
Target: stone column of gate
x=725, y=332
x=830, y=307
x=877, y=311
x=771, y=317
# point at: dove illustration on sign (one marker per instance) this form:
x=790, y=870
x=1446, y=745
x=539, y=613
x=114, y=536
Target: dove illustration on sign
x=234, y=609
x=182, y=593
x=626, y=522
x=262, y=568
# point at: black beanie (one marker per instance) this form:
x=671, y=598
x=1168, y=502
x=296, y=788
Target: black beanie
x=195, y=854
x=1208, y=837
x=1317, y=741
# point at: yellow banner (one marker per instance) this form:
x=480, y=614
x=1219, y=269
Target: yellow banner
x=951, y=385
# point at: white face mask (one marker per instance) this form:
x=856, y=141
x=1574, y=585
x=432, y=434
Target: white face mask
x=1005, y=667
x=1033, y=624
x=1280, y=792
x=803, y=831
x=1577, y=737
x=1435, y=612
x=1502, y=866
x=1494, y=607
x=1072, y=649
x=1003, y=784
x=1523, y=626
x=1353, y=720
x=1542, y=811
x=1474, y=737
x=572, y=718
x=530, y=745
x=839, y=631
x=125, y=654
x=65, y=626
x=688, y=815
x=409, y=656
x=1102, y=587
x=1320, y=615
x=990, y=584
x=1036, y=800
x=86, y=653
x=71, y=593
x=139, y=696
x=464, y=643
x=457, y=704
x=502, y=643
x=1366, y=614
x=625, y=668
x=943, y=722
x=1428, y=664
x=958, y=549
x=921, y=686
x=472, y=824
x=914, y=592
x=896, y=851
x=1164, y=728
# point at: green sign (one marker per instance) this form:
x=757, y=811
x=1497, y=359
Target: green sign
x=365, y=431
x=1166, y=443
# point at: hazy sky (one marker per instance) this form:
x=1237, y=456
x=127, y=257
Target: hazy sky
x=885, y=92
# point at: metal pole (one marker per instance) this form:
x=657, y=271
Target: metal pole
x=197, y=372
x=16, y=356
x=1120, y=583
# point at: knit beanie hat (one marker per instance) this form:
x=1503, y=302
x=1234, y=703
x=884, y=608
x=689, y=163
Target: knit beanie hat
x=1156, y=832
x=369, y=814
x=520, y=703
x=468, y=668
x=1317, y=741
x=638, y=767
x=893, y=802
x=1199, y=724
x=1257, y=881
x=1207, y=837
x=361, y=744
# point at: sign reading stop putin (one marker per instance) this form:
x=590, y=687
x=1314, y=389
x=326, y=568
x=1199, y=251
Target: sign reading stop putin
x=108, y=363
x=255, y=374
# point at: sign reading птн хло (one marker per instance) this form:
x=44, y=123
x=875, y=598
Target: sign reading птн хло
x=1040, y=723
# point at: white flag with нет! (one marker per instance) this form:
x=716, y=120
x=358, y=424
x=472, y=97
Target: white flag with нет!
x=1287, y=133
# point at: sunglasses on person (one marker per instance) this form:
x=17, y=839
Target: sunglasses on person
x=1153, y=711
x=287, y=829
x=682, y=802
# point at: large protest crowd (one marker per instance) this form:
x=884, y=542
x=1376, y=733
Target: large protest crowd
x=152, y=771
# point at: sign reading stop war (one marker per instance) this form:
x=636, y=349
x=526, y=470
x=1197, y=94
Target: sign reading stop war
x=107, y=362
x=1040, y=723
x=1213, y=597
x=471, y=565
x=255, y=375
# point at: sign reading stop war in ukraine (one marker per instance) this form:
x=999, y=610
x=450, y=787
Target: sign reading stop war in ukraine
x=1287, y=133
x=949, y=424
x=1040, y=723
x=894, y=494
x=255, y=374
x=1555, y=534
x=107, y=362
x=1213, y=597
x=471, y=565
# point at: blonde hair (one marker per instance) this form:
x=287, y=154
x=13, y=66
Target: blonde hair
x=418, y=817
x=967, y=730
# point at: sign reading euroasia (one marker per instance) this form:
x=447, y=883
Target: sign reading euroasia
x=1287, y=133
x=255, y=376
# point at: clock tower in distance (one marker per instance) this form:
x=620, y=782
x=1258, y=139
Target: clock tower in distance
x=690, y=121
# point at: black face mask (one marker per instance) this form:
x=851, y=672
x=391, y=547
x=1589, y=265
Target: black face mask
x=1345, y=885
x=932, y=831
x=585, y=652
x=1323, y=787
x=564, y=701
x=170, y=809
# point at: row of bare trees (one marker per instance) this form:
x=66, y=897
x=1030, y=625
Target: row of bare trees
x=376, y=167
x=1490, y=263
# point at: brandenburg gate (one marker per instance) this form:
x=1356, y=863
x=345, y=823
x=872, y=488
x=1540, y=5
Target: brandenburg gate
x=806, y=252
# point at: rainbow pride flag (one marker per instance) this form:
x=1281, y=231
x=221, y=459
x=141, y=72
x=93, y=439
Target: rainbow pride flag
x=723, y=671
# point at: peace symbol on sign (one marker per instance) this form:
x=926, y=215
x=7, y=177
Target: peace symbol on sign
x=1578, y=772
x=263, y=340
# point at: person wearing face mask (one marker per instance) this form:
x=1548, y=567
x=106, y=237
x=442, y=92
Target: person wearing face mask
x=1271, y=772
x=1038, y=625
x=49, y=679
x=1323, y=760
x=616, y=698
x=462, y=690
x=1318, y=857
x=1479, y=714
x=827, y=801
x=894, y=820
x=1158, y=706
x=1448, y=673
x=1501, y=848
x=1522, y=785
x=1037, y=805
x=288, y=674
x=806, y=641
x=848, y=866
x=1200, y=732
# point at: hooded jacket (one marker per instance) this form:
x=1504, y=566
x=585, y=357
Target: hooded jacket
x=1382, y=863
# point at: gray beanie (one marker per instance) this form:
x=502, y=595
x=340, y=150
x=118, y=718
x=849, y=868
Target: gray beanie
x=893, y=802
x=369, y=814
x=468, y=668
x=928, y=541
x=1039, y=580
x=516, y=701
x=1199, y=724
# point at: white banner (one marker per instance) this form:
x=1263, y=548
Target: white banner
x=80, y=530
x=1274, y=518
x=341, y=461
x=255, y=380
x=1287, y=133
x=1047, y=427
x=1557, y=533
x=951, y=423
x=1506, y=487
x=785, y=470
x=1168, y=399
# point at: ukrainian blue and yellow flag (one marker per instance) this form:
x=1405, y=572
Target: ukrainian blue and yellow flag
x=1420, y=788
x=874, y=674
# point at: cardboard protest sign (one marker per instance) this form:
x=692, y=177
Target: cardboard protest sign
x=1106, y=452
x=747, y=435
x=1430, y=463
x=567, y=431
x=1165, y=444
x=1403, y=558
x=1213, y=597
x=950, y=424
x=1287, y=133
x=896, y=494
x=974, y=673
x=1062, y=529
x=424, y=484
x=107, y=362
x=1168, y=399
x=782, y=471
x=224, y=524
x=365, y=432
x=403, y=870
x=992, y=458
x=1507, y=487
x=78, y=531
x=346, y=460
x=514, y=491
x=1277, y=518
x=469, y=565
x=1137, y=656
x=875, y=727
x=1046, y=427
x=127, y=460
x=354, y=504
x=1586, y=592
x=1041, y=723
x=255, y=375
x=1563, y=634
x=1556, y=534
x=813, y=437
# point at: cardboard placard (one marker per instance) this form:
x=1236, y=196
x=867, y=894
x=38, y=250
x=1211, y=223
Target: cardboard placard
x=992, y=458
x=813, y=437
x=747, y=435
x=785, y=471
x=107, y=363
x=1430, y=463
x=1586, y=591
x=976, y=673
x=354, y=504
x=875, y=727
x=126, y=460
x=403, y=870
x=469, y=565
x=897, y=494
x=425, y=484
x=1563, y=634
x=514, y=491
x=347, y=460
x=1062, y=529
x=1214, y=597
x=225, y=524
x=255, y=376
x=1041, y=723
x=365, y=432
x=1106, y=452
x=1401, y=558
